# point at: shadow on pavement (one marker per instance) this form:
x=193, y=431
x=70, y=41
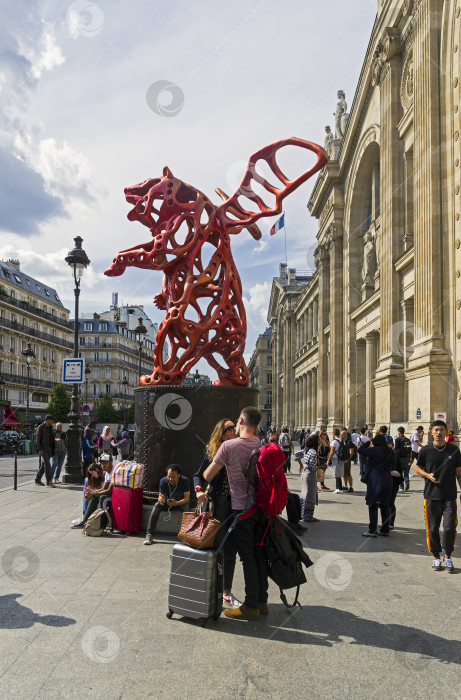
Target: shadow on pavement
x=325, y=537
x=13, y=615
x=323, y=626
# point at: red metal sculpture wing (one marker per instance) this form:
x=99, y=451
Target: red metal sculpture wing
x=243, y=218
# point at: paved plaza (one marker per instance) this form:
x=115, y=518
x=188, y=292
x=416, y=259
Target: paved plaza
x=85, y=617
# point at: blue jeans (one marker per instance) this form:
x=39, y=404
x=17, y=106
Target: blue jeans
x=362, y=463
x=57, y=461
x=405, y=464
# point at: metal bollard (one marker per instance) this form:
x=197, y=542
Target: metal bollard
x=15, y=482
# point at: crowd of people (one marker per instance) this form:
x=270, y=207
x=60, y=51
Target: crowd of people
x=220, y=484
x=384, y=467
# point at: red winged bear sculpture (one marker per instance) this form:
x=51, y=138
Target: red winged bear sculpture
x=202, y=291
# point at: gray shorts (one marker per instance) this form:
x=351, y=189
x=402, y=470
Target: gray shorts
x=338, y=468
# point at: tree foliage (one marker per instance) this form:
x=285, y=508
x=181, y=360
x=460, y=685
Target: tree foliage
x=131, y=413
x=106, y=413
x=59, y=406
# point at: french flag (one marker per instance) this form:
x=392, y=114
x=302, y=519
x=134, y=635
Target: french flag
x=278, y=225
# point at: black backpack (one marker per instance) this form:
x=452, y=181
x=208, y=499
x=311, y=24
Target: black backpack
x=404, y=448
x=285, y=556
x=344, y=450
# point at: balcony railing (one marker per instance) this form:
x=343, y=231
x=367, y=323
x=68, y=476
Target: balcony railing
x=17, y=379
x=14, y=325
x=36, y=312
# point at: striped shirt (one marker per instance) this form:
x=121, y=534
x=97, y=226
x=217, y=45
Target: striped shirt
x=234, y=454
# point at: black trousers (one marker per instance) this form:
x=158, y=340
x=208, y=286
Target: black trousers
x=434, y=511
x=248, y=533
x=287, y=463
x=224, y=514
x=373, y=514
x=392, y=508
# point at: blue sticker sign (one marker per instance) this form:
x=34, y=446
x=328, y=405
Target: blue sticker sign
x=72, y=370
x=418, y=414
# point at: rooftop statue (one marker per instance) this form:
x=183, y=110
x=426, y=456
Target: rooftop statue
x=201, y=290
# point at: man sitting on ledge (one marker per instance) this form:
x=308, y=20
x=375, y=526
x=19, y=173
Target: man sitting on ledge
x=174, y=495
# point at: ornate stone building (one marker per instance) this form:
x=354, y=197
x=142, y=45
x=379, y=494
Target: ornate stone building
x=375, y=334
x=260, y=370
x=30, y=312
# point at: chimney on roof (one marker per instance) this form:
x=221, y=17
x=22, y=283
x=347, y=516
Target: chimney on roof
x=283, y=270
x=96, y=316
x=14, y=262
x=291, y=274
x=114, y=304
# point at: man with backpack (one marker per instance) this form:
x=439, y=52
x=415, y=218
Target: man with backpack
x=402, y=449
x=387, y=437
x=286, y=444
x=235, y=455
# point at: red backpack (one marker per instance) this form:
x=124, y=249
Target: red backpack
x=265, y=473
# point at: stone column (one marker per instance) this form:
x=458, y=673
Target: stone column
x=389, y=377
x=371, y=353
x=336, y=379
x=430, y=387
x=314, y=398
x=297, y=403
x=309, y=323
x=322, y=375
x=409, y=217
x=309, y=399
x=315, y=307
x=305, y=399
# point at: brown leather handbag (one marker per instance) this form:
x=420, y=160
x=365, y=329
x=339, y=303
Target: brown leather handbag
x=199, y=529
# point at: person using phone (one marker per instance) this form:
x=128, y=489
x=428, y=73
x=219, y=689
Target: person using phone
x=440, y=464
x=174, y=493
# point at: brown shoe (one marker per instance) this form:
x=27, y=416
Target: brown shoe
x=242, y=613
x=263, y=609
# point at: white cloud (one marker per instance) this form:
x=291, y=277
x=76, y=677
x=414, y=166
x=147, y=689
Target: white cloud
x=64, y=170
x=43, y=55
x=257, y=305
x=261, y=247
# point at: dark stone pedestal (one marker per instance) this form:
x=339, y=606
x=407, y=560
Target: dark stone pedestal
x=174, y=423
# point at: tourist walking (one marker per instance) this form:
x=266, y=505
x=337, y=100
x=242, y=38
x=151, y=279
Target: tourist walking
x=286, y=443
x=323, y=451
x=308, y=461
x=440, y=465
x=379, y=484
x=46, y=449
x=402, y=449
x=60, y=450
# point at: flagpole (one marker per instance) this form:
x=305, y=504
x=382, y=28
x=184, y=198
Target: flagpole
x=285, y=229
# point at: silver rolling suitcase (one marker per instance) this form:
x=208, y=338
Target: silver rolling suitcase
x=196, y=583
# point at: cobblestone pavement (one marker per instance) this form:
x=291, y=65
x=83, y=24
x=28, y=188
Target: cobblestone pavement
x=27, y=469
x=84, y=617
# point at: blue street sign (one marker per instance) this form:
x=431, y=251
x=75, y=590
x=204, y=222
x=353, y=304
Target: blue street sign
x=72, y=371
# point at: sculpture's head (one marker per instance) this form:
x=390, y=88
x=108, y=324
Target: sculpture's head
x=174, y=212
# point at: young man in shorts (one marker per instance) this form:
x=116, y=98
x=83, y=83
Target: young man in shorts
x=440, y=465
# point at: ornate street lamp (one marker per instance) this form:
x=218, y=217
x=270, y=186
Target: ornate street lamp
x=28, y=353
x=140, y=331
x=125, y=383
x=77, y=260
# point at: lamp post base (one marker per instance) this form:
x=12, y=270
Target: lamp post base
x=73, y=473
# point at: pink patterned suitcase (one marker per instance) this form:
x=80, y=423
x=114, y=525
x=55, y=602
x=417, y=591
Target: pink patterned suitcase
x=127, y=509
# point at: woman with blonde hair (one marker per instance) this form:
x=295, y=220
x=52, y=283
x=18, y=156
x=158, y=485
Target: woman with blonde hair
x=218, y=492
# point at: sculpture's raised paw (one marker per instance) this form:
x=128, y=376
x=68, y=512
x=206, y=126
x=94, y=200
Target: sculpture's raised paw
x=160, y=302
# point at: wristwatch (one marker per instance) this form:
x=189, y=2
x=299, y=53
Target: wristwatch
x=198, y=489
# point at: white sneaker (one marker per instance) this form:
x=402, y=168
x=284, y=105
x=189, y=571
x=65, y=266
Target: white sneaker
x=339, y=491
x=228, y=601
x=149, y=539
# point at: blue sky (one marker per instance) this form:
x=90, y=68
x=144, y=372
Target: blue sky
x=76, y=127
